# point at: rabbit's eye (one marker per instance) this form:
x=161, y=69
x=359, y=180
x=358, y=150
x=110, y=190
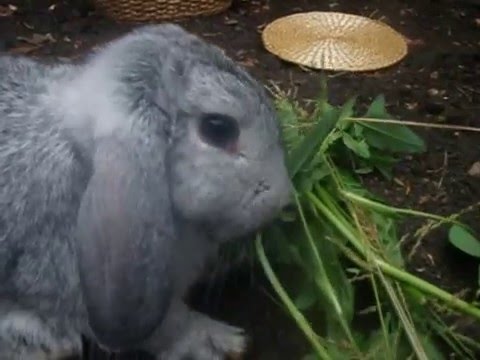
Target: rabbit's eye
x=219, y=131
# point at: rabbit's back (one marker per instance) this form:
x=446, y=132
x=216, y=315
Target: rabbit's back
x=41, y=182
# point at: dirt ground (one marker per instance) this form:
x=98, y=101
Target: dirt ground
x=437, y=82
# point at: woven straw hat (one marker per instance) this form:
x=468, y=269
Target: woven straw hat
x=334, y=41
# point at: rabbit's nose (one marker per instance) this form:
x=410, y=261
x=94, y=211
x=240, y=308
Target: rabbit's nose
x=261, y=187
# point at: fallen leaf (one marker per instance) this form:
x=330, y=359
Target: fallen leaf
x=37, y=39
x=424, y=199
x=7, y=10
x=28, y=26
x=24, y=49
x=399, y=182
x=411, y=106
x=430, y=258
x=415, y=42
x=249, y=62
x=475, y=169
x=231, y=22
x=211, y=34
x=408, y=188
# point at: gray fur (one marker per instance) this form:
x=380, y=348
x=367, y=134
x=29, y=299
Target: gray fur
x=110, y=202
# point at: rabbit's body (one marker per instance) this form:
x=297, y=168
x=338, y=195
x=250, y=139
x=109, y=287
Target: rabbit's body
x=41, y=184
x=107, y=211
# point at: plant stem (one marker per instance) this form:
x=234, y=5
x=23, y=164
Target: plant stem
x=393, y=210
x=398, y=274
x=381, y=318
x=414, y=123
x=427, y=288
x=400, y=308
x=297, y=315
x=323, y=280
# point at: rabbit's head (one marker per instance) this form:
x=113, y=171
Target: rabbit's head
x=225, y=157
x=197, y=141
x=226, y=160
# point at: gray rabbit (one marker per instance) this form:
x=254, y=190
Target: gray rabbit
x=119, y=178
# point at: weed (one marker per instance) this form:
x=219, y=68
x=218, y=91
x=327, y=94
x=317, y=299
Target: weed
x=340, y=232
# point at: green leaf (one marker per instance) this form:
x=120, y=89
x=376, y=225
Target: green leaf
x=331, y=140
x=310, y=356
x=383, y=163
x=320, y=173
x=390, y=137
x=307, y=297
x=346, y=112
x=304, y=183
x=386, y=171
x=378, y=343
x=463, y=240
x=431, y=349
x=312, y=142
x=288, y=114
x=334, y=271
x=378, y=109
x=357, y=130
x=336, y=351
x=388, y=238
x=359, y=147
x=351, y=183
x=364, y=170
x=377, y=158
x=288, y=216
x=278, y=246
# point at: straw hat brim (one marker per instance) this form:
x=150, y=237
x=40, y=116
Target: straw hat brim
x=334, y=41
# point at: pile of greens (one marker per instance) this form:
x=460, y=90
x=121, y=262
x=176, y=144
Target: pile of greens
x=340, y=234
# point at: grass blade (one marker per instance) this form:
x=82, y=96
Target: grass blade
x=311, y=142
x=297, y=315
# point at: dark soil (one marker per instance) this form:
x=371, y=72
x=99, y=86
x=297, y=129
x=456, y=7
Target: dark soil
x=437, y=82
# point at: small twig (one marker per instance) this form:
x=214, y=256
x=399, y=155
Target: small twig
x=444, y=170
x=402, y=122
x=415, y=123
x=338, y=74
x=420, y=235
x=431, y=225
x=462, y=91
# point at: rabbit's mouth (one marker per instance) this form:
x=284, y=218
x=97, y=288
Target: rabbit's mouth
x=257, y=209
x=252, y=197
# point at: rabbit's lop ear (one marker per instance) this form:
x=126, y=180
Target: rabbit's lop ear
x=124, y=238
